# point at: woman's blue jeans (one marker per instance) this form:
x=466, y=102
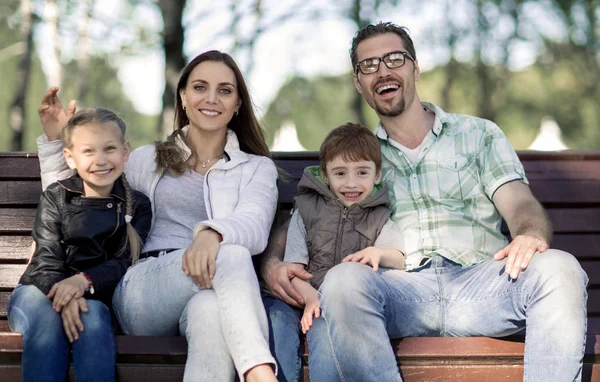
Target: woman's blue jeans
x=46, y=347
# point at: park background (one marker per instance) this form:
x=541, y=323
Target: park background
x=512, y=61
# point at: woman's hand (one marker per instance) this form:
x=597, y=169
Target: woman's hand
x=369, y=255
x=71, y=318
x=53, y=115
x=199, y=258
x=64, y=291
x=311, y=309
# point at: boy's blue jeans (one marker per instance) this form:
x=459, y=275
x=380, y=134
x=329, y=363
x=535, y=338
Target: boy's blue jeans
x=46, y=347
x=362, y=309
x=284, y=337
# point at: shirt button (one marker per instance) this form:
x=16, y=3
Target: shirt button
x=109, y=205
x=414, y=176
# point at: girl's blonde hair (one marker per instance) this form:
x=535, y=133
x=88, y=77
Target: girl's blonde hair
x=103, y=117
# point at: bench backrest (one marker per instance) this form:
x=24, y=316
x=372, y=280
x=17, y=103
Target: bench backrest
x=567, y=184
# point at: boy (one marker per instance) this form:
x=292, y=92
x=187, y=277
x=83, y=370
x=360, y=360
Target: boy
x=341, y=213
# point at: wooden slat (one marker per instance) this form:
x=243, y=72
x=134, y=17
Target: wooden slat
x=19, y=166
x=16, y=192
x=551, y=192
x=576, y=220
x=593, y=305
x=10, y=274
x=582, y=246
x=573, y=170
x=15, y=248
x=16, y=220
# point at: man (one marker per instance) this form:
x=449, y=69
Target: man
x=452, y=178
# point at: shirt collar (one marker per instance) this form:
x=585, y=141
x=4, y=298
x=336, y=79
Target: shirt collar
x=75, y=184
x=441, y=120
x=232, y=145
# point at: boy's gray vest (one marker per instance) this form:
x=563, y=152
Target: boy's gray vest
x=333, y=230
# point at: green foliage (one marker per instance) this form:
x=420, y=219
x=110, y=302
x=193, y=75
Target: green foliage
x=106, y=91
x=318, y=105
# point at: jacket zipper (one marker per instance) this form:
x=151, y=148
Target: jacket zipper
x=340, y=234
x=113, y=232
x=210, y=213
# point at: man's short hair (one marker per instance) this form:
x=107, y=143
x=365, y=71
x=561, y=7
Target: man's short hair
x=380, y=28
x=353, y=142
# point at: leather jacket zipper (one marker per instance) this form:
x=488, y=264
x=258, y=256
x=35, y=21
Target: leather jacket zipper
x=114, y=231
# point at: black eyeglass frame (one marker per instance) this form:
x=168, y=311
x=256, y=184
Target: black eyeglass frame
x=382, y=59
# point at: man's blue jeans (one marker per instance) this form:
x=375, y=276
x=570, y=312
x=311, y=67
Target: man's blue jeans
x=46, y=347
x=362, y=309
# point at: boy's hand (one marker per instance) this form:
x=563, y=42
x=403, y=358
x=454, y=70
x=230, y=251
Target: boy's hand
x=71, y=318
x=53, y=115
x=311, y=309
x=64, y=291
x=369, y=255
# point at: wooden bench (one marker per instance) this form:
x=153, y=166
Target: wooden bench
x=568, y=184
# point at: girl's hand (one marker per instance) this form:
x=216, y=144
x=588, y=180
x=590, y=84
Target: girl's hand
x=53, y=115
x=369, y=255
x=311, y=309
x=71, y=318
x=199, y=258
x=64, y=291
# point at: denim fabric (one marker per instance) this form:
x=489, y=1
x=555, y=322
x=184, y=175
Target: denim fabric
x=156, y=298
x=46, y=347
x=362, y=309
x=284, y=338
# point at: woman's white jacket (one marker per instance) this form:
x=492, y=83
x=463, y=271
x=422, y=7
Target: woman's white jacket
x=240, y=191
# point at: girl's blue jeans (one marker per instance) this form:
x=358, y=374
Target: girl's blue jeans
x=46, y=347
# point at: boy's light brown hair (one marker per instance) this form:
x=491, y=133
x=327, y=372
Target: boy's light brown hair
x=354, y=142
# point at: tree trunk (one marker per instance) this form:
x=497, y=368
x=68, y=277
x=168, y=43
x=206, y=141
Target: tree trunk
x=54, y=69
x=485, y=108
x=82, y=53
x=17, y=109
x=172, y=11
x=357, y=101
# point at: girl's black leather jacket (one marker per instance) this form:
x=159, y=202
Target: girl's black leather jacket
x=74, y=234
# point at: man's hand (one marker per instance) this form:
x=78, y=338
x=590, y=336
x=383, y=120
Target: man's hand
x=199, y=259
x=53, y=115
x=519, y=253
x=311, y=309
x=64, y=291
x=71, y=318
x=278, y=274
x=370, y=256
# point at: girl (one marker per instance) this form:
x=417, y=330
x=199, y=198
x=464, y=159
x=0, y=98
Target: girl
x=213, y=191
x=88, y=230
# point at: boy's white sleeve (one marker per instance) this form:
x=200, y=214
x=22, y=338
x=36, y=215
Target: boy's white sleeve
x=296, y=250
x=390, y=237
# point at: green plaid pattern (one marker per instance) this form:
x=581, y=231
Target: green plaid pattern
x=443, y=203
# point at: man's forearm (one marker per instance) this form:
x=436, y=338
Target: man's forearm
x=531, y=220
x=275, y=248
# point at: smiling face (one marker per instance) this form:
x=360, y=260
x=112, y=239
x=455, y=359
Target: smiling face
x=389, y=91
x=210, y=97
x=351, y=182
x=98, y=153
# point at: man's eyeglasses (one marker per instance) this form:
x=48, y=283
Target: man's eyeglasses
x=391, y=60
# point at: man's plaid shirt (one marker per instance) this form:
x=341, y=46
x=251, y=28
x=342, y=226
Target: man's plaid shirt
x=443, y=204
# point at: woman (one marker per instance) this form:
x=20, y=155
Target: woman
x=213, y=191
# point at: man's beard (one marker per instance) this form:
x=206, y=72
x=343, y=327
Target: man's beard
x=395, y=111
